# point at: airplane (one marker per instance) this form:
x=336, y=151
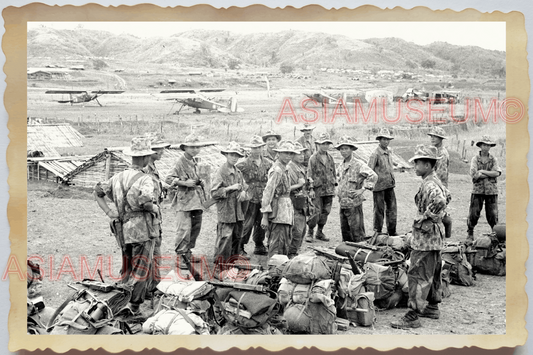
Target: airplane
x=82, y=95
x=322, y=98
x=199, y=101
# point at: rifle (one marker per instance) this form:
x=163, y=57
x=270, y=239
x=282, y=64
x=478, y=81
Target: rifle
x=238, y=286
x=361, y=245
x=241, y=266
x=328, y=254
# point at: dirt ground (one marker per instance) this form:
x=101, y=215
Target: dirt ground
x=68, y=231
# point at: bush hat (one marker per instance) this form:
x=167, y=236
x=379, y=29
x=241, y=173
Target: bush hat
x=307, y=128
x=286, y=147
x=425, y=152
x=299, y=147
x=437, y=132
x=346, y=141
x=486, y=140
x=192, y=140
x=233, y=147
x=271, y=134
x=323, y=138
x=140, y=147
x=384, y=133
x=256, y=142
x=157, y=142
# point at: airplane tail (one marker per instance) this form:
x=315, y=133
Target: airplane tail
x=232, y=105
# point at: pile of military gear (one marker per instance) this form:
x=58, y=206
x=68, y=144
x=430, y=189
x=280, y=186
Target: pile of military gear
x=487, y=254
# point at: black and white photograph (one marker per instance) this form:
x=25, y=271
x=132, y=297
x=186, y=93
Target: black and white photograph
x=267, y=178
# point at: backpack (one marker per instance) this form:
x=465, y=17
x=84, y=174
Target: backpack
x=379, y=279
x=175, y=322
x=494, y=265
x=92, y=307
x=363, y=311
x=310, y=318
x=460, y=270
x=306, y=268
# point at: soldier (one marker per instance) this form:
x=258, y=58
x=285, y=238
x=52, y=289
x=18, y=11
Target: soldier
x=132, y=192
x=484, y=170
x=160, y=187
x=437, y=135
x=255, y=172
x=307, y=141
x=229, y=190
x=384, y=198
x=299, y=197
x=188, y=200
x=271, y=139
x=276, y=205
x=424, y=274
x=354, y=177
x=321, y=173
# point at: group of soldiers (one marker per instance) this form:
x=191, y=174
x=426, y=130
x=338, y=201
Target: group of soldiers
x=279, y=194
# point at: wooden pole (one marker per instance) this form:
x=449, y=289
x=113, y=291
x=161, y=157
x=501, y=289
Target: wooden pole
x=107, y=166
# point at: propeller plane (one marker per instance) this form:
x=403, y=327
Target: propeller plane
x=198, y=101
x=81, y=96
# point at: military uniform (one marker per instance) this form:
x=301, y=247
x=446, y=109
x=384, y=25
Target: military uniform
x=277, y=203
x=299, y=227
x=353, y=175
x=187, y=203
x=140, y=227
x=443, y=165
x=323, y=175
x=230, y=215
x=256, y=177
x=384, y=198
x=311, y=148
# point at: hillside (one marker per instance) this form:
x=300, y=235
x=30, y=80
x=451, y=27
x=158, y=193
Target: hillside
x=223, y=49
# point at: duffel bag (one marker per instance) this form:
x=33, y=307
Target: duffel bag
x=247, y=309
x=175, y=322
x=306, y=268
x=395, y=242
x=461, y=272
x=494, y=265
x=367, y=255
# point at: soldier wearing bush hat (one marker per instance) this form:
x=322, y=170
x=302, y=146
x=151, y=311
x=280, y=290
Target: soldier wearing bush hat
x=307, y=141
x=484, y=170
x=138, y=217
x=322, y=175
x=276, y=205
x=188, y=199
x=254, y=169
x=354, y=177
x=229, y=190
x=271, y=139
x=424, y=274
x=384, y=197
x=437, y=135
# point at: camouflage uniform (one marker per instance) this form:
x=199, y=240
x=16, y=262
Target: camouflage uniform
x=230, y=215
x=424, y=272
x=443, y=164
x=270, y=156
x=484, y=190
x=277, y=203
x=352, y=176
x=140, y=227
x=256, y=176
x=384, y=198
x=323, y=176
x=311, y=148
x=299, y=227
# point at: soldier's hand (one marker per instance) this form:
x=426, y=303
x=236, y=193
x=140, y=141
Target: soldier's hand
x=242, y=196
x=264, y=222
x=189, y=183
x=235, y=187
x=112, y=214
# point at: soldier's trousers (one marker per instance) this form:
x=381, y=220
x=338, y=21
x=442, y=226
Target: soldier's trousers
x=323, y=208
x=385, y=200
x=155, y=273
x=352, y=224
x=299, y=228
x=424, y=278
x=278, y=237
x=476, y=204
x=135, y=272
x=252, y=222
x=189, y=224
x=228, y=241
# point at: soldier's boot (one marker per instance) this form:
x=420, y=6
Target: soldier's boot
x=409, y=320
x=431, y=311
x=309, y=236
x=260, y=249
x=470, y=238
x=320, y=235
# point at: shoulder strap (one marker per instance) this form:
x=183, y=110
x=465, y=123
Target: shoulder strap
x=189, y=320
x=126, y=190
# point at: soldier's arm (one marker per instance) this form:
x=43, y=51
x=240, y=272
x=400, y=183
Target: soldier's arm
x=270, y=188
x=99, y=193
x=436, y=199
x=372, y=161
x=219, y=190
x=370, y=177
x=494, y=172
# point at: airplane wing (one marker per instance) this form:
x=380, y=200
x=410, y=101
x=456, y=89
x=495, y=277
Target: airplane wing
x=329, y=97
x=190, y=91
x=65, y=91
x=107, y=91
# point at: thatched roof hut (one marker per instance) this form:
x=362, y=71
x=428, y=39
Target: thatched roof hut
x=44, y=138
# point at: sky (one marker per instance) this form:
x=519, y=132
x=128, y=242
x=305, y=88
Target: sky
x=488, y=35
